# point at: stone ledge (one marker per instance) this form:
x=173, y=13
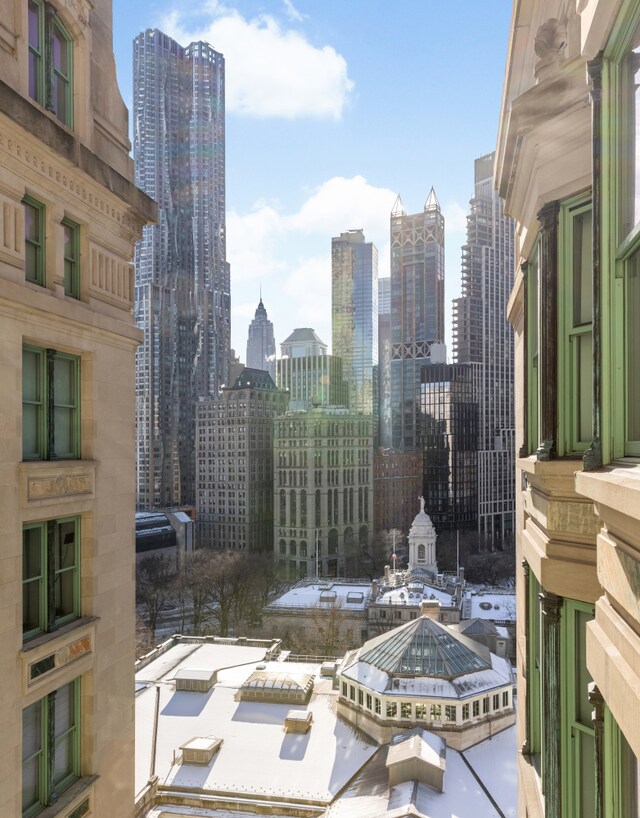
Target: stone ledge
x=48, y=481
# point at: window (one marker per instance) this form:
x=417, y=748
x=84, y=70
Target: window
x=352, y=693
x=575, y=309
x=405, y=710
x=465, y=712
x=50, y=62
x=344, y=688
x=360, y=697
x=50, y=405
x=71, y=232
x=533, y=336
x=392, y=709
x=369, y=701
x=496, y=701
x=50, y=747
x=450, y=712
x=34, y=232
x=505, y=698
x=621, y=773
x=50, y=575
x=476, y=708
x=485, y=705
x=435, y=712
x=377, y=706
x=421, y=711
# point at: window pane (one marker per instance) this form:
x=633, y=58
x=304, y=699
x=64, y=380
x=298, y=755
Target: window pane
x=584, y=386
x=633, y=347
x=60, y=52
x=64, y=381
x=31, y=223
x=34, y=27
x=31, y=754
x=582, y=270
x=587, y=777
x=64, y=732
x=31, y=375
x=63, y=425
x=32, y=580
x=633, y=75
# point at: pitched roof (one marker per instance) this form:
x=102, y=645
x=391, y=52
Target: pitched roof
x=424, y=647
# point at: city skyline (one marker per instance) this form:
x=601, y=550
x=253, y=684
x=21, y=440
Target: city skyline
x=337, y=158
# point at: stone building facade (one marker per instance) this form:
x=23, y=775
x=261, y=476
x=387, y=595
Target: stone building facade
x=235, y=463
x=567, y=167
x=69, y=217
x=322, y=462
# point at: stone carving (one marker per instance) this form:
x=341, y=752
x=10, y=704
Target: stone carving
x=62, y=485
x=549, y=45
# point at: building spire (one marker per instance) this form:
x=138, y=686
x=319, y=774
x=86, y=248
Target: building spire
x=432, y=202
x=398, y=208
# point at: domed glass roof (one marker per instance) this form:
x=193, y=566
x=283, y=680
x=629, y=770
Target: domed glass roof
x=424, y=647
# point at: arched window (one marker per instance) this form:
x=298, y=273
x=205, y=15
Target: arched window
x=303, y=508
x=422, y=554
x=283, y=507
x=318, y=509
x=333, y=541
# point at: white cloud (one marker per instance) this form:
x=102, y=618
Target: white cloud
x=289, y=255
x=304, y=80
x=292, y=12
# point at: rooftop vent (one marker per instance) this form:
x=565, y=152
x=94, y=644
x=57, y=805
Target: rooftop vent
x=200, y=750
x=298, y=721
x=199, y=680
x=355, y=596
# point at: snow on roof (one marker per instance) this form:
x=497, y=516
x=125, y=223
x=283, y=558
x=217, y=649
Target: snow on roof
x=369, y=795
x=493, y=606
x=419, y=744
x=256, y=757
x=404, y=596
x=348, y=596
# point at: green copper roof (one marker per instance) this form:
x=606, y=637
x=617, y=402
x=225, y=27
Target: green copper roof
x=424, y=647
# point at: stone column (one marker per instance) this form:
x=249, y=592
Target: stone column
x=548, y=305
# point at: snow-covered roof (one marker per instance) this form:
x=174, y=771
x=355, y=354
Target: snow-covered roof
x=256, y=757
x=491, y=605
x=493, y=760
x=346, y=596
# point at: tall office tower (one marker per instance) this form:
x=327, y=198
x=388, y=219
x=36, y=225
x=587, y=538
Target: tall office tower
x=323, y=502
x=417, y=311
x=182, y=277
x=235, y=463
x=354, y=317
x=384, y=362
x=69, y=218
x=310, y=376
x=482, y=335
x=449, y=438
x=261, y=343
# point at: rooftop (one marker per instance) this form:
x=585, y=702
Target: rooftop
x=332, y=771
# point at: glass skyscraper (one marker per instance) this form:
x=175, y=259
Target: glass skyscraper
x=182, y=298
x=417, y=312
x=482, y=335
x=261, y=343
x=354, y=317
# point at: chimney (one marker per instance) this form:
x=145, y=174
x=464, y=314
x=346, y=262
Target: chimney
x=430, y=608
x=374, y=590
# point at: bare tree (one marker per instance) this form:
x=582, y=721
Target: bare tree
x=153, y=580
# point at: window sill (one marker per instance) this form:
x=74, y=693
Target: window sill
x=70, y=798
x=616, y=486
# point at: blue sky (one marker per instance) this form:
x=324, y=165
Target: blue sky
x=333, y=108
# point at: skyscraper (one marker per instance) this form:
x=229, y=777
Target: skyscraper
x=482, y=335
x=354, y=321
x=261, y=343
x=182, y=278
x=384, y=362
x=417, y=311
x=310, y=376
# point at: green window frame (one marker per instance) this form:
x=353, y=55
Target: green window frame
x=50, y=61
x=450, y=712
x=50, y=404
x=533, y=351
x=50, y=747
x=577, y=734
x=50, y=575
x=534, y=709
x=71, y=253
x=34, y=240
x=620, y=229
x=621, y=773
x=575, y=318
